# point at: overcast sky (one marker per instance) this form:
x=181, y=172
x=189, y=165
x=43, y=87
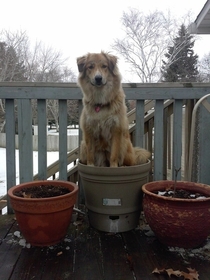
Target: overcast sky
x=77, y=27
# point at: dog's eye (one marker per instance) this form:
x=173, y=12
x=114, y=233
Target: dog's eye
x=90, y=67
x=104, y=66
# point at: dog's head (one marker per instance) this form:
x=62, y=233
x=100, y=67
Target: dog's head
x=97, y=67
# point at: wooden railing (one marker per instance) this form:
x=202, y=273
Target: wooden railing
x=160, y=123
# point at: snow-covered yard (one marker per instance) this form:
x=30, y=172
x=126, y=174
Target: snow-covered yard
x=51, y=157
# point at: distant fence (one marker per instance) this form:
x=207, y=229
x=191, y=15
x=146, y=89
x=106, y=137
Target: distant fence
x=52, y=142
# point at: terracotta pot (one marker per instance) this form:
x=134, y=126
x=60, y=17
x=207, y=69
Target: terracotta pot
x=178, y=222
x=44, y=221
x=113, y=195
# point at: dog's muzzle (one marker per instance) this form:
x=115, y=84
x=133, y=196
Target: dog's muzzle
x=98, y=80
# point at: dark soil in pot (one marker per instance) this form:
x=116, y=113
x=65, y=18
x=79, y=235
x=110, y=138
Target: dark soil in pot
x=181, y=194
x=42, y=191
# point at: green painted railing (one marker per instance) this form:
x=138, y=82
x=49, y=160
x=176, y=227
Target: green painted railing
x=160, y=123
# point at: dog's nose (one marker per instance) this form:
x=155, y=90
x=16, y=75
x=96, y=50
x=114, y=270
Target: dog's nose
x=98, y=79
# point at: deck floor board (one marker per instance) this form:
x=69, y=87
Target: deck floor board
x=88, y=254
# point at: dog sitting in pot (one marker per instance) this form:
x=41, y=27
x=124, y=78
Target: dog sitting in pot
x=104, y=123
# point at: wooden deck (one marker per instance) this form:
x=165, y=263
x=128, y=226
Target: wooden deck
x=87, y=254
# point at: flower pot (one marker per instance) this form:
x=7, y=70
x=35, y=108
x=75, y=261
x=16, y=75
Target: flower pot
x=113, y=195
x=178, y=222
x=44, y=221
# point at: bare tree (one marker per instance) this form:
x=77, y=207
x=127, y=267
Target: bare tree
x=204, y=68
x=19, y=61
x=147, y=38
x=11, y=59
x=39, y=63
x=44, y=64
x=47, y=65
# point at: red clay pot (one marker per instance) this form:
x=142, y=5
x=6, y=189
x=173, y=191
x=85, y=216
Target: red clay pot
x=177, y=222
x=44, y=221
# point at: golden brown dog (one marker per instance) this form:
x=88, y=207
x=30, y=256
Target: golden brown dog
x=106, y=139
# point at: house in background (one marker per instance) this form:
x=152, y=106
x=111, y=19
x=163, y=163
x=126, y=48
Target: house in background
x=202, y=23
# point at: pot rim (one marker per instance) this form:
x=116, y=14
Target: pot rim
x=114, y=172
x=165, y=182
x=43, y=182
x=108, y=168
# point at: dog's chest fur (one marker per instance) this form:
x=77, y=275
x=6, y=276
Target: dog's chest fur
x=102, y=126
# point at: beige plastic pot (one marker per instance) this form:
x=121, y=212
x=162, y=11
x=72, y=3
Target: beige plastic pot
x=113, y=195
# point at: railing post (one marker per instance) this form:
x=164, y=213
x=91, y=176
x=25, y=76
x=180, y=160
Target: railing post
x=62, y=140
x=158, y=140
x=139, y=135
x=10, y=148
x=81, y=189
x=42, y=139
x=188, y=120
x=25, y=140
x=177, y=138
x=80, y=131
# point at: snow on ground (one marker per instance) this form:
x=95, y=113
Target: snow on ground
x=69, y=131
x=51, y=157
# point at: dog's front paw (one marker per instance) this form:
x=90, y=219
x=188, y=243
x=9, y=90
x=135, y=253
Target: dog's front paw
x=113, y=164
x=90, y=163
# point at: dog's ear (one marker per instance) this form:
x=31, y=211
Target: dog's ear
x=112, y=62
x=81, y=63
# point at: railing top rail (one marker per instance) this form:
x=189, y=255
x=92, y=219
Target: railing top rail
x=125, y=85
x=157, y=91
x=38, y=84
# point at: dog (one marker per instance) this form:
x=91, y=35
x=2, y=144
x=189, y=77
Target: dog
x=104, y=123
